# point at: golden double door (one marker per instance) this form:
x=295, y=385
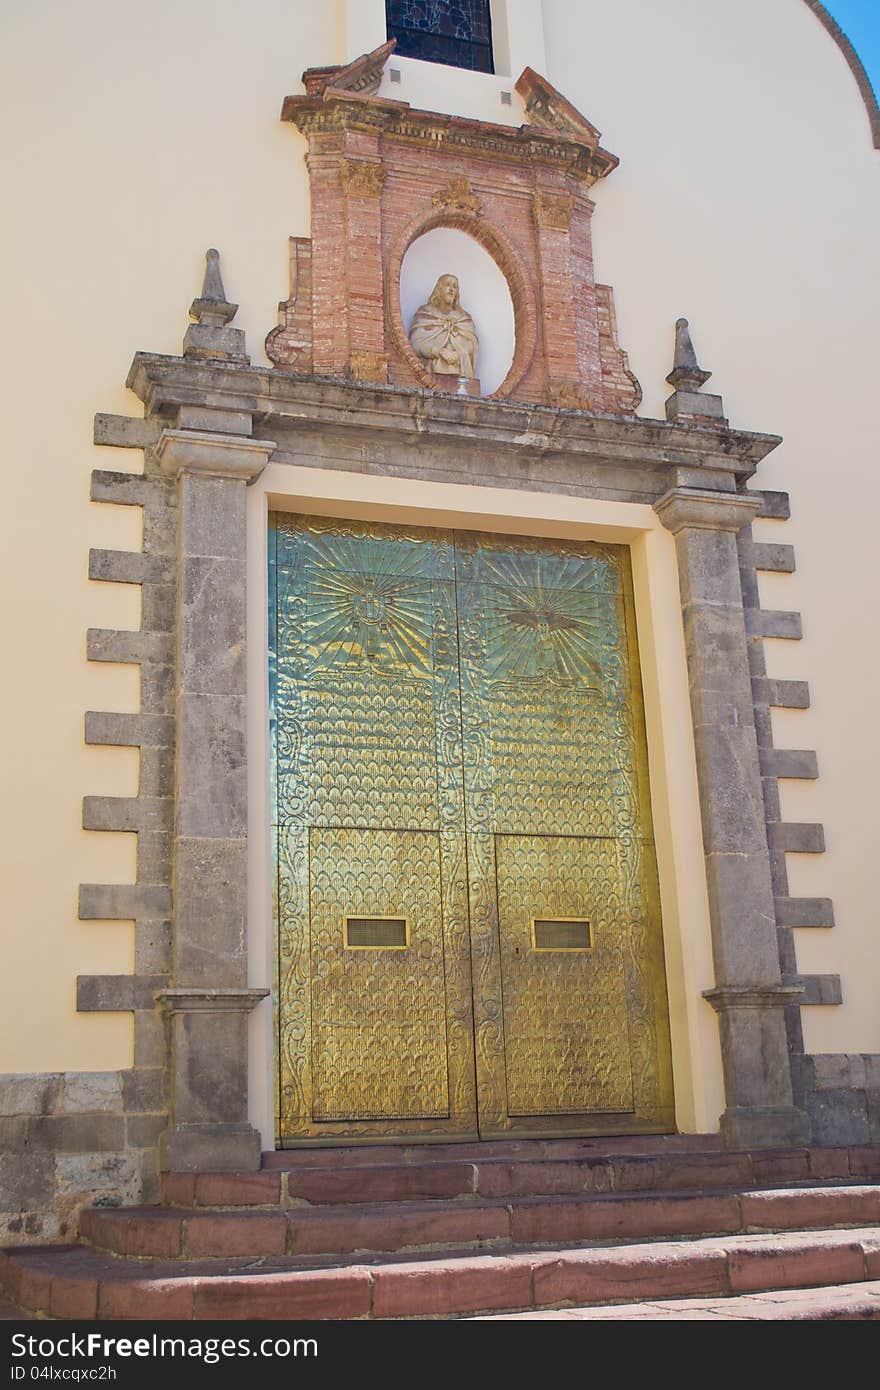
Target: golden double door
x=469, y=936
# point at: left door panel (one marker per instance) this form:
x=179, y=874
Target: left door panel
x=375, y=1027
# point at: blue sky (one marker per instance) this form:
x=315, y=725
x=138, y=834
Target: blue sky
x=860, y=21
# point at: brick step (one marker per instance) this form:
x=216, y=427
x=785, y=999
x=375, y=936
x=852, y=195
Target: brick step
x=174, y=1233
x=72, y=1282
x=837, y=1303
x=493, y=1175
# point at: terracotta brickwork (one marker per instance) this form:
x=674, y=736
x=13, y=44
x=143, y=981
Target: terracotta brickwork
x=382, y=174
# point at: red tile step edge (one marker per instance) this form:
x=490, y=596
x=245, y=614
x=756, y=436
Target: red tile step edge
x=70, y=1282
x=169, y=1233
x=497, y=1175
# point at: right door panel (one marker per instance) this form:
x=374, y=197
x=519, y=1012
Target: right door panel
x=571, y=1017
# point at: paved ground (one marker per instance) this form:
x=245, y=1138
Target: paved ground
x=846, y=1302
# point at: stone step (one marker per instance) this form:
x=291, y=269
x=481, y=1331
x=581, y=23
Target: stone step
x=175, y=1233
x=470, y=1151
x=494, y=1175
x=72, y=1282
x=837, y=1303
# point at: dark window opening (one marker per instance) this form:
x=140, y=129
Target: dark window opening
x=455, y=32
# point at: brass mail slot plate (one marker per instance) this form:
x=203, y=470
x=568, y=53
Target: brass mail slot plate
x=561, y=934
x=376, y=933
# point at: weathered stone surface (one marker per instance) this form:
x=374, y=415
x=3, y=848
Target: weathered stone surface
x=804, y=912
x=31, y=1093
x=797, y=838
x=144, y=1131
x=695, y=405
x=763, y=622
x=775, y=506
x=129, y=730
x=211, y=893
x=13, y=1133
x=125, y=432
x=157, y=764
x=108, y=644
x=693, y=509
x=76, y=1133
x=152, y=947
x=203, y=340
x=220, y=1148
x=192, y=453
x=771, y=556
x=838, y=1116
x=116, y=993
x=210, y=1067
x=789, y=762
x=744, y=938
x=150, y=1038
x=132, y=813
x=124, y=566
x=740, y=889
x=212, y=766
x=124, y=489
x=26, y=1185
x=821, y=989
x=834, y=1070
x=732, y=803
x=123, y=901
x=86, y=1091
x=782, y=694
x=145, y=1090
x=157, y=607
x=107, y=1179
x=213, y=518
x=209, y=418
x=212, y=626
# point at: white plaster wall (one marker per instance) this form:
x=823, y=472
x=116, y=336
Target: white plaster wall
x=482, y=289
x=748, y=198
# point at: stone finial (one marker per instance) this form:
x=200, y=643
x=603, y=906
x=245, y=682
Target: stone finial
x=209, y=335
x=212, y=307
x=687, y=403
x=686, y=372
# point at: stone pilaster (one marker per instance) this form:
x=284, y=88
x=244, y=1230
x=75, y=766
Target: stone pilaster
x=749, y=995
x=209, y=1000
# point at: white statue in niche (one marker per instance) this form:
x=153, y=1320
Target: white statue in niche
x=443, y=334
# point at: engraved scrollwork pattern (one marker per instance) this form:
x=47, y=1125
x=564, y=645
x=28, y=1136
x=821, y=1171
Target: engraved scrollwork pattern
x=368, y=758
x=427, y=684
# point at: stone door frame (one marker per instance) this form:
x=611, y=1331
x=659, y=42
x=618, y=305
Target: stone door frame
x=675, y=804
x=211, y=428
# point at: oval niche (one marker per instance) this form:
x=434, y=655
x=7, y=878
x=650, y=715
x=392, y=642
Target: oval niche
x=482, y=289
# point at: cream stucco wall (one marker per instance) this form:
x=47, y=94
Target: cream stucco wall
x=748, y=198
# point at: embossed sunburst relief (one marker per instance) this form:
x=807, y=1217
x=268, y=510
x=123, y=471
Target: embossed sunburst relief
x=460, y=749
x=545, y=621
x=368, y=604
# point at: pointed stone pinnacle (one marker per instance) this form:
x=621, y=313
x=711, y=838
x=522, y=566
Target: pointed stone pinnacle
x=212, y=307
x=686, y=372
x=209, y=336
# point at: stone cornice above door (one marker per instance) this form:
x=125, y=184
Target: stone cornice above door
x=413, y=432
